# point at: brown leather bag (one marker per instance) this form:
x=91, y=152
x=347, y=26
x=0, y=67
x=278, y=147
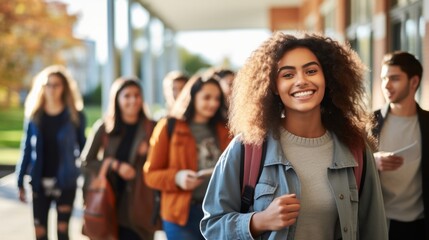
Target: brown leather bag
x=100, y=221
x=141, y=200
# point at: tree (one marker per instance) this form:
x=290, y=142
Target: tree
x=191, y=63
x=32, y=31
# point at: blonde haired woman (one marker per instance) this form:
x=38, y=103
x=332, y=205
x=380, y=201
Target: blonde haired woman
x=54, y=135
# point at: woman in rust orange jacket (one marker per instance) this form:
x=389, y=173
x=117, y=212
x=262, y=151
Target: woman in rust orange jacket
x=184, y=148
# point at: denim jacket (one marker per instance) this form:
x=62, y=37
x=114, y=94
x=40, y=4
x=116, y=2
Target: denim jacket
x=360, y=217
x=70, y=143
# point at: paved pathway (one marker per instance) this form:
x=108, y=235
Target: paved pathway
x=16, y=221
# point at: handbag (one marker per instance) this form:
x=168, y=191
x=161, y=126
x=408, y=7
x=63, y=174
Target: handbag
x=142, y=200
x=100, y=221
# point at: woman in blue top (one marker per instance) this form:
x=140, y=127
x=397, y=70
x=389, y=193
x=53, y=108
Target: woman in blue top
x=303, y=95
x=54, y=135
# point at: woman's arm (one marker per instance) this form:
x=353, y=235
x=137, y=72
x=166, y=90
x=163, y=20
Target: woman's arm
x=81, y=131
x=158, y=174
x=24, y=161
x=89, y=155
x=222, y=217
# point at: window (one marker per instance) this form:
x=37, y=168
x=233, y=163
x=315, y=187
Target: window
x=406, y=26
x=360, y=34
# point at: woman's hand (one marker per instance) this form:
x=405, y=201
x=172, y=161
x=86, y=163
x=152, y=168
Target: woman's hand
x=126, y=171
x=22, y=196
x=282, y=212
x=187, y=179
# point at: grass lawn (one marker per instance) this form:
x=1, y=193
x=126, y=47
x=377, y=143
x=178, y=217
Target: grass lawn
x=11, y=124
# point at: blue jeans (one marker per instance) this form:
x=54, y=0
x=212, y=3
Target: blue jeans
x=191, y=231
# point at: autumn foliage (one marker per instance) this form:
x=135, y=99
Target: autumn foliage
x=32, y=33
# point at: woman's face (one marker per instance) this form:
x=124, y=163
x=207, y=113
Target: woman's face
x=54, y=88
x=207, y=102
x=300, y=81
x=226, y=85
x=177, y=87
x=130, y=101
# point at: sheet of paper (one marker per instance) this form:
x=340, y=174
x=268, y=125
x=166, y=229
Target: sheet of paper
x=408, y=152
x=205, y=173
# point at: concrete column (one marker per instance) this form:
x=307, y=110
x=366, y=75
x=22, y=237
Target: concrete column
x=170, y=50
x=161, y=68
x=380, y=26
x=175, y=60
x=110, y=68
x=147, y=67
x=424, y=85
x=128, y=68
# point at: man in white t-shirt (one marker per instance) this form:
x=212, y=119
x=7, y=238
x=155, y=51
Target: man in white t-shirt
x=402, y=130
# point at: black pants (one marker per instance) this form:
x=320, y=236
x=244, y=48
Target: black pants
x=414, y=230
x=42, y=203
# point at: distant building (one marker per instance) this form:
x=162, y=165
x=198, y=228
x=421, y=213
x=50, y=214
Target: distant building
x=82, y=63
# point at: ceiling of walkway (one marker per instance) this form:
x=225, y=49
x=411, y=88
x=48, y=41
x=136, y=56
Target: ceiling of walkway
x=195, y=15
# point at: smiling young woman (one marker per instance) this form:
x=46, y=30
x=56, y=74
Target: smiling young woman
x=121, y=139
x=303, y=96
x=180, y=155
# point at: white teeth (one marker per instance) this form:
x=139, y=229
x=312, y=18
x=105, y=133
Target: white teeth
x=303, y=94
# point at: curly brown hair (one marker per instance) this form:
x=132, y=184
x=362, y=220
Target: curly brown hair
x=256, y=110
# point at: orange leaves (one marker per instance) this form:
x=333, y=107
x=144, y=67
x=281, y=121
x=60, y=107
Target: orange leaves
x=32, y=30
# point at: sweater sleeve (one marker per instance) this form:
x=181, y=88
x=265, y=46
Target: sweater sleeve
x=221, y=206
x=90, y=154
x=158, y=174
x=25, y=158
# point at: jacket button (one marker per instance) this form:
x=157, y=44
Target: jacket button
x=341, y=196
x=345, y=229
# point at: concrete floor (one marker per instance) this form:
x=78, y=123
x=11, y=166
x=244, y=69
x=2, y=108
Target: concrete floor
x=16, y=220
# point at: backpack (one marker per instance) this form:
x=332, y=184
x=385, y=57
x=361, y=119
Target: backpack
x=156, y=214
x=253, y=157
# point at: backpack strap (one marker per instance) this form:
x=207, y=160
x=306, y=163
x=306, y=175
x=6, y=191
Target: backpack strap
x=171, y=122
x=253, y=157
x=360, y=170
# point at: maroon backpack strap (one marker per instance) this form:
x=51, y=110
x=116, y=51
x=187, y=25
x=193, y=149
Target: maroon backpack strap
x=252, y=164
x=359, y=170
x=250, y=172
